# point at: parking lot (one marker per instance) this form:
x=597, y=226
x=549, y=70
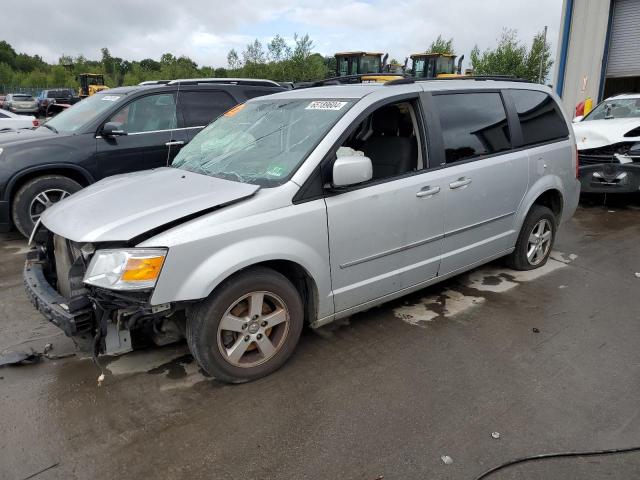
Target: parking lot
x=548, y=359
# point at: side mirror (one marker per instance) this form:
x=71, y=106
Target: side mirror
x=352, y=170
x=113, y=129
x=578, y=119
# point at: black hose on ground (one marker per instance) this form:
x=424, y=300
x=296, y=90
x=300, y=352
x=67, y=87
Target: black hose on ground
x=544, y=456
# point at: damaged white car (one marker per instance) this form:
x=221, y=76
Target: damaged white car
x=608, y=141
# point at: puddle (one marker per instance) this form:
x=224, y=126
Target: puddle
x=191, y=376
x=175, y=364
x=499, y=280
x=143, y=361
x=175, y=368
x=17, y=247
x=493, y=279
x=447, y=304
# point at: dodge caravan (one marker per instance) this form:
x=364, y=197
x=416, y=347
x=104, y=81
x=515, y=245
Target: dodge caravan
x=304, y=207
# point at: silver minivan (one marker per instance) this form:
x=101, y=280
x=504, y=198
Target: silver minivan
x=304, y=207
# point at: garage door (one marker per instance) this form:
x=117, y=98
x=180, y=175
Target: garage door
x=624, y=47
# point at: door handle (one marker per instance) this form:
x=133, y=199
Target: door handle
x=460, y=183
x=174, y=142
x=427, y=192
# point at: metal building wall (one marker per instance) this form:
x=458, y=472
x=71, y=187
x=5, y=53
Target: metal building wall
x=584, y=56
x=624, y=49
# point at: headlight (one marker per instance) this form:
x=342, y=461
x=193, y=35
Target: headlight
x=132, y=269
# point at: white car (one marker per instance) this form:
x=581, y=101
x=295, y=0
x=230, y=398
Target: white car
x=13, y=121
x=608, y=140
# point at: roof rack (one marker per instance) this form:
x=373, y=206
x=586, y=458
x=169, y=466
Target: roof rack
x=253, y=82
x=479, y=78
x=154, y=82
x=402, y=79
x=347, y=80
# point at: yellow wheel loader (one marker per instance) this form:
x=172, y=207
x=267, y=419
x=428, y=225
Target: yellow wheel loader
x=90, y=83
x=435, y=65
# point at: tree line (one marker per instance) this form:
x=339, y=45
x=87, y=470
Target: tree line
x=276, y=60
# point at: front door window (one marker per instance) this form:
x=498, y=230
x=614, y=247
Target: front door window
x=147, y=114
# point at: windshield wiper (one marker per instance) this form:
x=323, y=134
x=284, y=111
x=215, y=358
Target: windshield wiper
x=53, y=129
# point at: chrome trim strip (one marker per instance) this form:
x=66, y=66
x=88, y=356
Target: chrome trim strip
x=479, y=224
x=166, y=130
x=392, y=251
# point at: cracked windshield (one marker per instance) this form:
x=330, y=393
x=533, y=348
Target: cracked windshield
x=261, y=142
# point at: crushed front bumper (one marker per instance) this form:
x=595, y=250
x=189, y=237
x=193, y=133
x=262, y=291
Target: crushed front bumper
x=53, y=306
x=610, y=178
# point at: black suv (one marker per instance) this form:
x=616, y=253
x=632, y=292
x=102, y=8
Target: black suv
x=114, y=131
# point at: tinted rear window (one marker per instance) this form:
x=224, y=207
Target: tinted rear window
x=57, y=94
x=539, y=117
x=473, y=124
x=23, y=98
x=200, y=108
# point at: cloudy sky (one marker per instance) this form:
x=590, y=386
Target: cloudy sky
x=206, y=30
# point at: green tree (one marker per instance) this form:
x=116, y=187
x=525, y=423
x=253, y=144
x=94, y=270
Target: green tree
x=278, y=50
x=540, y=52
x=233, y=60
x=7, y=54
x=440, y=45
x=512, y=57
x=150, y=65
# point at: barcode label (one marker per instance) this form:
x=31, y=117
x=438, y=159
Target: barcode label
x=325, y=105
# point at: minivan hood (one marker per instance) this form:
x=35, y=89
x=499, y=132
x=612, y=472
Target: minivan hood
x=122, y=207
x=599, y=133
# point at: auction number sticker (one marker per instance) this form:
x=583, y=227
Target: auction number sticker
x=325, y=105
x=110, y=98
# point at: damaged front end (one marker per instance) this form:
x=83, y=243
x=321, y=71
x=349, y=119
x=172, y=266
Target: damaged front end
x=99, y=320
x=611, y=168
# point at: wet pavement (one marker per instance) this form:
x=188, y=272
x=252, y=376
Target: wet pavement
x=549, y=359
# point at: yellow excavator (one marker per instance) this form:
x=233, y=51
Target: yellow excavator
x=368, y=65
x=90, y=83
x=435, y=65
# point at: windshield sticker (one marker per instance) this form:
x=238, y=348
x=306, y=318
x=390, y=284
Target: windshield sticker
x=275, y=171
x=110, y=98
x=325, y=105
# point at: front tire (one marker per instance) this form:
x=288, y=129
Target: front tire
x=535, y=240
x=35, y=196
x=248, y=327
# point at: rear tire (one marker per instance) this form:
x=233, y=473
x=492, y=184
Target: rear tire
x=37, y=195
x=535, y=240
x=248, y=327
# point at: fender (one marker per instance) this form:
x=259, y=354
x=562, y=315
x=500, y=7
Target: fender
x=231, y=259
x=543, y=184
x=46, y=167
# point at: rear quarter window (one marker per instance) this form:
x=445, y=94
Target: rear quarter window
x=199, y=108
x=473, y=124
x=540, y=117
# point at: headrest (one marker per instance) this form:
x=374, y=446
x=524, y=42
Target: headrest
x=385, y=121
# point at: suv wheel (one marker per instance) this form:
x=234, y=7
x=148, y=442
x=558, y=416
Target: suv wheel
x=535, y=240
x=35, y=196
x=248, y=327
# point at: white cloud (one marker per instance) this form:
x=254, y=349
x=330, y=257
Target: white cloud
x=206, y=30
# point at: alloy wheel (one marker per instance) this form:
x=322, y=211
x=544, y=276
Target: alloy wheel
x=539, y=242
x=44, y=200
x=253, y=329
